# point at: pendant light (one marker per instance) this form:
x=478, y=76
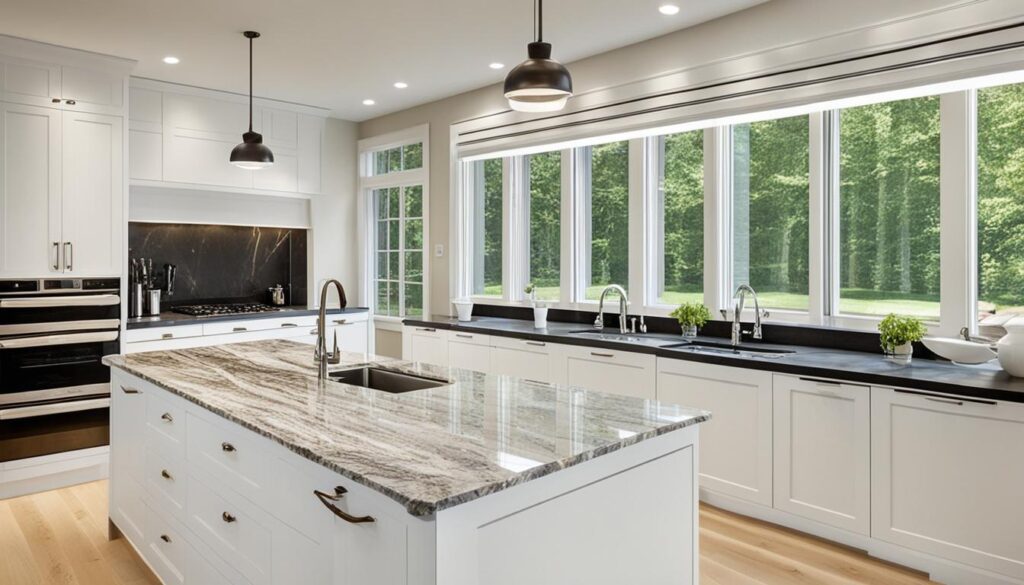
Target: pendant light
x=251, y=154
x=539, y=84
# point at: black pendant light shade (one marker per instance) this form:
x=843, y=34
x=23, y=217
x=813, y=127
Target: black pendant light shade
x=251, y=154
x=539, y=84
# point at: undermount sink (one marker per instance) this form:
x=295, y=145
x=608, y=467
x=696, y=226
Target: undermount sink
x=607, y=336
x=711, y=347
x=385, y=380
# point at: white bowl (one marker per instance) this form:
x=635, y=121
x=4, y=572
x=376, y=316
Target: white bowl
x=959, y=350
x=464, y=308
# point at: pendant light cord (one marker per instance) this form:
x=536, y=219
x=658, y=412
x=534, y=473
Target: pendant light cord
x=250, y=84
x=538, y=17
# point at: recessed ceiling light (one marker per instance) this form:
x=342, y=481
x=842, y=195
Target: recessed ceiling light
x=497, y=65
x=668, y=9
x=368, y=102
x=401, y=84
x=171, y=60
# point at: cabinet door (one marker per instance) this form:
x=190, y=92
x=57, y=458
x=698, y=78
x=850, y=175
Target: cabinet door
x=369, y=553
x=127, y=456
x=616, y=372
x=469, y=351
x=425, y=344
x=947, y=477
x=85, y=90
x=822, y=451
x=145, y=134
x=29, y=82
x=198, y=136
x=30, y=191
x=736, y=444
x=522, y=358
x=93, y=194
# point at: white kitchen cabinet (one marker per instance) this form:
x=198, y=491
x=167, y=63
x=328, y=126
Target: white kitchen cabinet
x=736, y=444
x=352, y=332
x=92, y=202
x=822, y=451
x=145, y=131
x=28, y=82
x=127, y=456
x=198, y=135
x=607, y=370
x=427, y=345
x=30, y=191
x=87, y=90
x=523, y=358
x=947, y=477
x=469, y=351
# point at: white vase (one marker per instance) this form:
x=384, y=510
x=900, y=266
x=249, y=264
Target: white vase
x=540, y=317
x=902, y=353
x=1011, y=348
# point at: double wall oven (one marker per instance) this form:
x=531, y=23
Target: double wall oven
x=54, y=388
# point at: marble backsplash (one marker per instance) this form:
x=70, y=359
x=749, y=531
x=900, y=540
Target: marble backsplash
x=219, y=262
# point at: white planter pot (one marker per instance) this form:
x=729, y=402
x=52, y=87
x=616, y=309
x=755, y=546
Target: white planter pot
x=464, y=308
x=1011, y=348
x=540, y=317
x=902, y=353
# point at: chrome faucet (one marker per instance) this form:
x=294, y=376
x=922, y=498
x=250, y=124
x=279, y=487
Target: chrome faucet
x=623, y=301
x=737, y=328
x=321, y=355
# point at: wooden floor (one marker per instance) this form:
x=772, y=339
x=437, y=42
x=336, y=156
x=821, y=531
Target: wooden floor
x=60, y=537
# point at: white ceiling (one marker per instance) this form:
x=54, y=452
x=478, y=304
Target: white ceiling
x=335, y=53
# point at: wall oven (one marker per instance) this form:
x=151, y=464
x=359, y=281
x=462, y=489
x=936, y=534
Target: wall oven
x=54, y=388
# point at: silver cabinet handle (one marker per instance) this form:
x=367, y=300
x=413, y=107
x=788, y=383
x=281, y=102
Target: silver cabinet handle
x=427, y=329
x=537, y=343
x=166, y=417
x=288, y=325
x=56, y=255
x=167, y=336
x=49, y=302
x=238, y=329
x=464, y=336
x=604, y=355
x=958, y=401
x=69, y=250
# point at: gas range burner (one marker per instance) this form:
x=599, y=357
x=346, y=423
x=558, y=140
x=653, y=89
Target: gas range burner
x=222, y=309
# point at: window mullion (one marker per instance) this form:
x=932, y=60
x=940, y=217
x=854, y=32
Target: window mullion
x=401, y=252
x=821, y=258
x=568, y=259
x=958, y=271
x=583, y=221
x=516, y=183
x=637, y=253
x=717, y=217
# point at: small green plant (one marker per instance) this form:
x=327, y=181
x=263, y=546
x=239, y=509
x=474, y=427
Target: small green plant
x=691, y=314
x=897, y=330
x=532, y=291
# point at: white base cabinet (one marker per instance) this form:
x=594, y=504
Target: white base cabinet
x=469, y=351
x=607, y=370
x=822, y=451
x=425, y=344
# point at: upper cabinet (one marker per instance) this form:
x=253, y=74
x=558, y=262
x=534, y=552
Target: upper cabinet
x=183, y=137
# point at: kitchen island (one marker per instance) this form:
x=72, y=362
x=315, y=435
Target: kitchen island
x=235, y=464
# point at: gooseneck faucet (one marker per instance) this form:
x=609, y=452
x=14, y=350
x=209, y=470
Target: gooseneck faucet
x=623, y=302
x=321, y=355
x=737, y=328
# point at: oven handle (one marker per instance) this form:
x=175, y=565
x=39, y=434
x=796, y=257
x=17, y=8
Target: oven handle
x=69, y=301
x=48, y=340
x=56, y=408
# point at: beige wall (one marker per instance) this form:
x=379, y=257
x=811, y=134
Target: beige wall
x=767, y=26
x=389, y=343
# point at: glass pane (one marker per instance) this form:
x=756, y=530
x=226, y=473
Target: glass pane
x=414, y=234
x=545, y=222
x=380, y=196
x=382, y=265
x=393, y=235
x=382, y=297
x=394, y=203
x=412, y=156
x=393, y=272
x=393, y=304
x=414, y=266
x=889, y=208
x=608, y=204
x=413, y=299
x=395, y=159
x=380, y=162
x=682, y=206
x=382, y=235
x=414, y=201
x=487, y=227
x=1000, y=200
x=770, y=210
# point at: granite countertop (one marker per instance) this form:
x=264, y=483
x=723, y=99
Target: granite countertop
x=170, y=319
x=985, y=381
x=428, y=449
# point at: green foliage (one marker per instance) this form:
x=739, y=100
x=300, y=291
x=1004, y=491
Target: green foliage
x=691, y=314
x=545, y=220
x=896, y=331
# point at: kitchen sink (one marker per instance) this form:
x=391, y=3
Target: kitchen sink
x=727, y=349
x=385, y=380
x=607, y=336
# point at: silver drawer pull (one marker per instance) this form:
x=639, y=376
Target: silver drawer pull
x=958, y=401
x=227, y=447
x=165, y=474
x=289, y=325
x=166, y=417
x=599, y=354
x=167, y=336
x=165, y=538
x=464, y=336
x=237, y=329
x=427, y=329
x=56, y=255
x=945, y=401
x=537, y=343
x=227, y=517
x=127, y=390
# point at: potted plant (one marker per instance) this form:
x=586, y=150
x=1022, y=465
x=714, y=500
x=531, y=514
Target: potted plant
x=691, y=316
x=897, y=335
x=540, y=312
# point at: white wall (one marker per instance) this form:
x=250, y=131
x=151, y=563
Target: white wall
x=333, y=249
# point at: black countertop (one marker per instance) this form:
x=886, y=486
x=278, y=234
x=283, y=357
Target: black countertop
x=986, y=381
x=170, y=319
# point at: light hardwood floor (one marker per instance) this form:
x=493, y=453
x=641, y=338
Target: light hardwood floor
x=60, y=537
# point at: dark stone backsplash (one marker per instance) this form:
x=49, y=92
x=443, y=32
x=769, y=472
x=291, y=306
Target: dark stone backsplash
x=222, y=263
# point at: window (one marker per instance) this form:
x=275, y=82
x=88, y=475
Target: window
x=545, y=204
x=487, y=227
x=399, y=250
x=605, y=198
x=1000, y=200
x=681, y=209
x=889, y=209
x=770, y=191
x=399, y=158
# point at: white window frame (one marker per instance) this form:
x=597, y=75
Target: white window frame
x=368, y=182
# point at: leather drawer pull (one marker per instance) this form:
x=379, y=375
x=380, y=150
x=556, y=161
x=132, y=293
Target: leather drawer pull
x=328, y=501
x=164, y=474
x=165, y=538
x=227, y=447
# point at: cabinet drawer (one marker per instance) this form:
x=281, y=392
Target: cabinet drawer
x=235, y=529
x=223, y=327
x=199, y=570
x=166, y=481
x=522, y=358
x=232, y=458
x=159, y=333
x=612, y=371
x=166, y=548
x=165, y=424
x=469, y=351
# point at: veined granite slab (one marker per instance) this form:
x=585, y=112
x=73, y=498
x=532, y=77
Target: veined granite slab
x=428, y=449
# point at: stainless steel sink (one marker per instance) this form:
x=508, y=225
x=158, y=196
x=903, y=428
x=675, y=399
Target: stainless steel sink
x=607, y=336
x=711, y=347
x=385, y=380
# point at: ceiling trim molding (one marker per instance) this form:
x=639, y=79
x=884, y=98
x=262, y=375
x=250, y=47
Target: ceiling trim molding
x=229, y=96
